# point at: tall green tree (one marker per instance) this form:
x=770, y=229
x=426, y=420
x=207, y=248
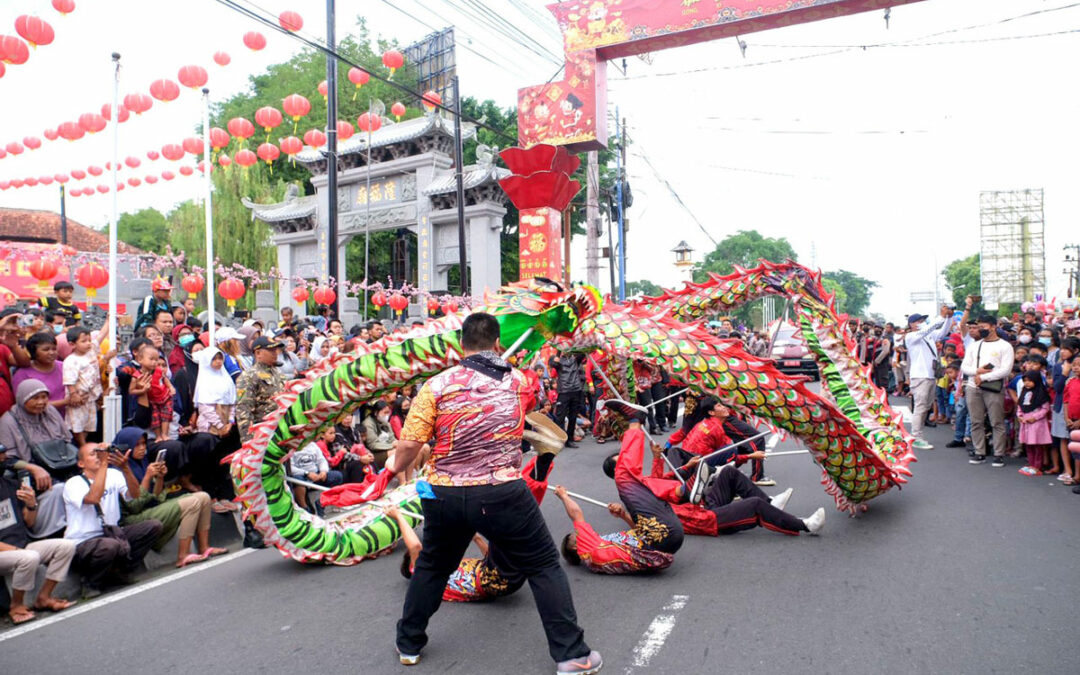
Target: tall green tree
x=744, y=248
x=643, y=286
x=145, y=229
x=857, y=291
x=963, y=278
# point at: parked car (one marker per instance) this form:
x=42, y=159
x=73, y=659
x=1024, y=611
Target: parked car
x=790, y=352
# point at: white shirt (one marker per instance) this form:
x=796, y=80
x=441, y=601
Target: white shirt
x=922, y=349
x=997, y=353
x=82, y=519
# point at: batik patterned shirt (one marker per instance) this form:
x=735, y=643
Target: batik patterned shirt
x=474, y=424
x=475, y=580
x=617, y=553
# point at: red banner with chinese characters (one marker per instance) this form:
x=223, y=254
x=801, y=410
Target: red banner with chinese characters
x=540, y=241
x=15, y=279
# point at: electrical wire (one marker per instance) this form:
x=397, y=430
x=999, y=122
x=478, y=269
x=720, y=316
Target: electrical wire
x=640, y=152
x=515, y=34
x=271, y=22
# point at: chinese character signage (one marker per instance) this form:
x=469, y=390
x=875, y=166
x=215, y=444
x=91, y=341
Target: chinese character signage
x=540, y=243
x=381, y=192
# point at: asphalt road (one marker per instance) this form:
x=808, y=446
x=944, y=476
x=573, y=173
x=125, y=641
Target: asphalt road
x=970, y=569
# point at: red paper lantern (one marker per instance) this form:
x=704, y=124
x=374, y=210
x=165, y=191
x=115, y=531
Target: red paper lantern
x=323, y=89
x=359, y=78
x=432, y=305
x=222, y=58
x=398, y=110
x=431, y=100
x=193, y=284
x=254, y=40
x=192, y=145
x=398, y=303
x=232, y=290
x=17, y=183
x=268, y=152
x=172, y=152
x=296, y=106
x=186, y=171
x=69, y=131
x=324, y=295
x=300, y=294
x=138, y=103
x=13, y=51
x=245, y=158
x=153, y=155
x=224, y=160
x=92, y=276
x=30, y=181
x=344, y=130
x=32, y=142
x=49, y=134
x=133, y=162
x=219, y=138
x=369, y=122
x=92, y=122
x=290, y=21
x=45, y=180
x=120, y=187
x=3, y=69
x=134, y=182
x=241, y=127
x=61, y=178
x=95, y=170
x=315, y=138
x=78, y=174
x=164, y=90
x=14, y=148
x=393, y=60
x=268, y=117
x=167, y=175
x=34, y=30
x=65, y=7
x=192, y=76
x=291, y=145
x=5, y=184
x=151, y=179
x=43, y=270
x=450, y=307
x=106, y=112
x=378, y=298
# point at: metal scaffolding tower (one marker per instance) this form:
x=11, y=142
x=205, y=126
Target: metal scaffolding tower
x=1012, y=246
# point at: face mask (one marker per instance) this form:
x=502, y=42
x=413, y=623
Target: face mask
x=384, y=418
x=1045, y=341
x=1024, y=339
x=185, y=340
x=984, y=333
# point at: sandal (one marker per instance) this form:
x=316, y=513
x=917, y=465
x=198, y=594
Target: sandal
x=190, y=559
x=21, y=615
x=53, y=605
x=601, y=441
x=212, y=551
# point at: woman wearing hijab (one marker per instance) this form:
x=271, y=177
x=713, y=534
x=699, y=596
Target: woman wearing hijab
x=186, y=516
x=248, y=335
x=320, y=349
x=228, y=341
x=31, y=421
x=182, y=336
x=378, y=436
x=184, y=380
x=215, y=394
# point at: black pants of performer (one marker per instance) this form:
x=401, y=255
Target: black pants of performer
x=567, y=408
x=673, y=410
x=96, y=558
x=590, y=406
x=508, y=516
x=657, y=392
x=738, y=430
x=882, y=374
x=752, y=510
x=645, y=398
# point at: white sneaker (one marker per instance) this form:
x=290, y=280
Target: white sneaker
x=765, y=481
x=780, y=501
x=920, y=444
x=408, y=659
x=816, y=522
x=701, y=479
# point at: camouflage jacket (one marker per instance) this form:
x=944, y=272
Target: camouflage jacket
x=255, y=391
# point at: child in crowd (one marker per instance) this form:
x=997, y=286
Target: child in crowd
x=962, y=433
x=82, y=377
x=1071, y=408
x=1066, y=354
x=1033, y=415
x=160, y=394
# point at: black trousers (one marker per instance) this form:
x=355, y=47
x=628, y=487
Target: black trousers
x=645, y=398
x=96, y=558
x=673, y=409
x=752, y=510
x=567, y=408
x=508, y=516
x=657, y=392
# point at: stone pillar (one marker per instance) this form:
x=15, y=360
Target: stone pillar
x=485, y=254
x=264, y=308
x=426, y=276
x=285, y=268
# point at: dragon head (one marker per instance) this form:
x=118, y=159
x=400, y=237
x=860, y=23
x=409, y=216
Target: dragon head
x=546, y=306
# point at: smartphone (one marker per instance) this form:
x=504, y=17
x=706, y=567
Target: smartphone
x=24, y=477
x=161, y=455
x=976, y=298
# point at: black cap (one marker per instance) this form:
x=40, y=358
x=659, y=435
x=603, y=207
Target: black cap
x=9, y=311
x=264, y=342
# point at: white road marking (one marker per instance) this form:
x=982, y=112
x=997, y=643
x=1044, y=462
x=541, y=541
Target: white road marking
x=654, y=637
x=87, y=606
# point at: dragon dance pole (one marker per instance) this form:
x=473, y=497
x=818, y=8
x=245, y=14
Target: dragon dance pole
x=582, y=497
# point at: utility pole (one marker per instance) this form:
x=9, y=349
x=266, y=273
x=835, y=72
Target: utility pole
x=592, y=220
x=1074, y=274
x=459, y=160
x=620, y=169
x=63, y=216
x=331, y=156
